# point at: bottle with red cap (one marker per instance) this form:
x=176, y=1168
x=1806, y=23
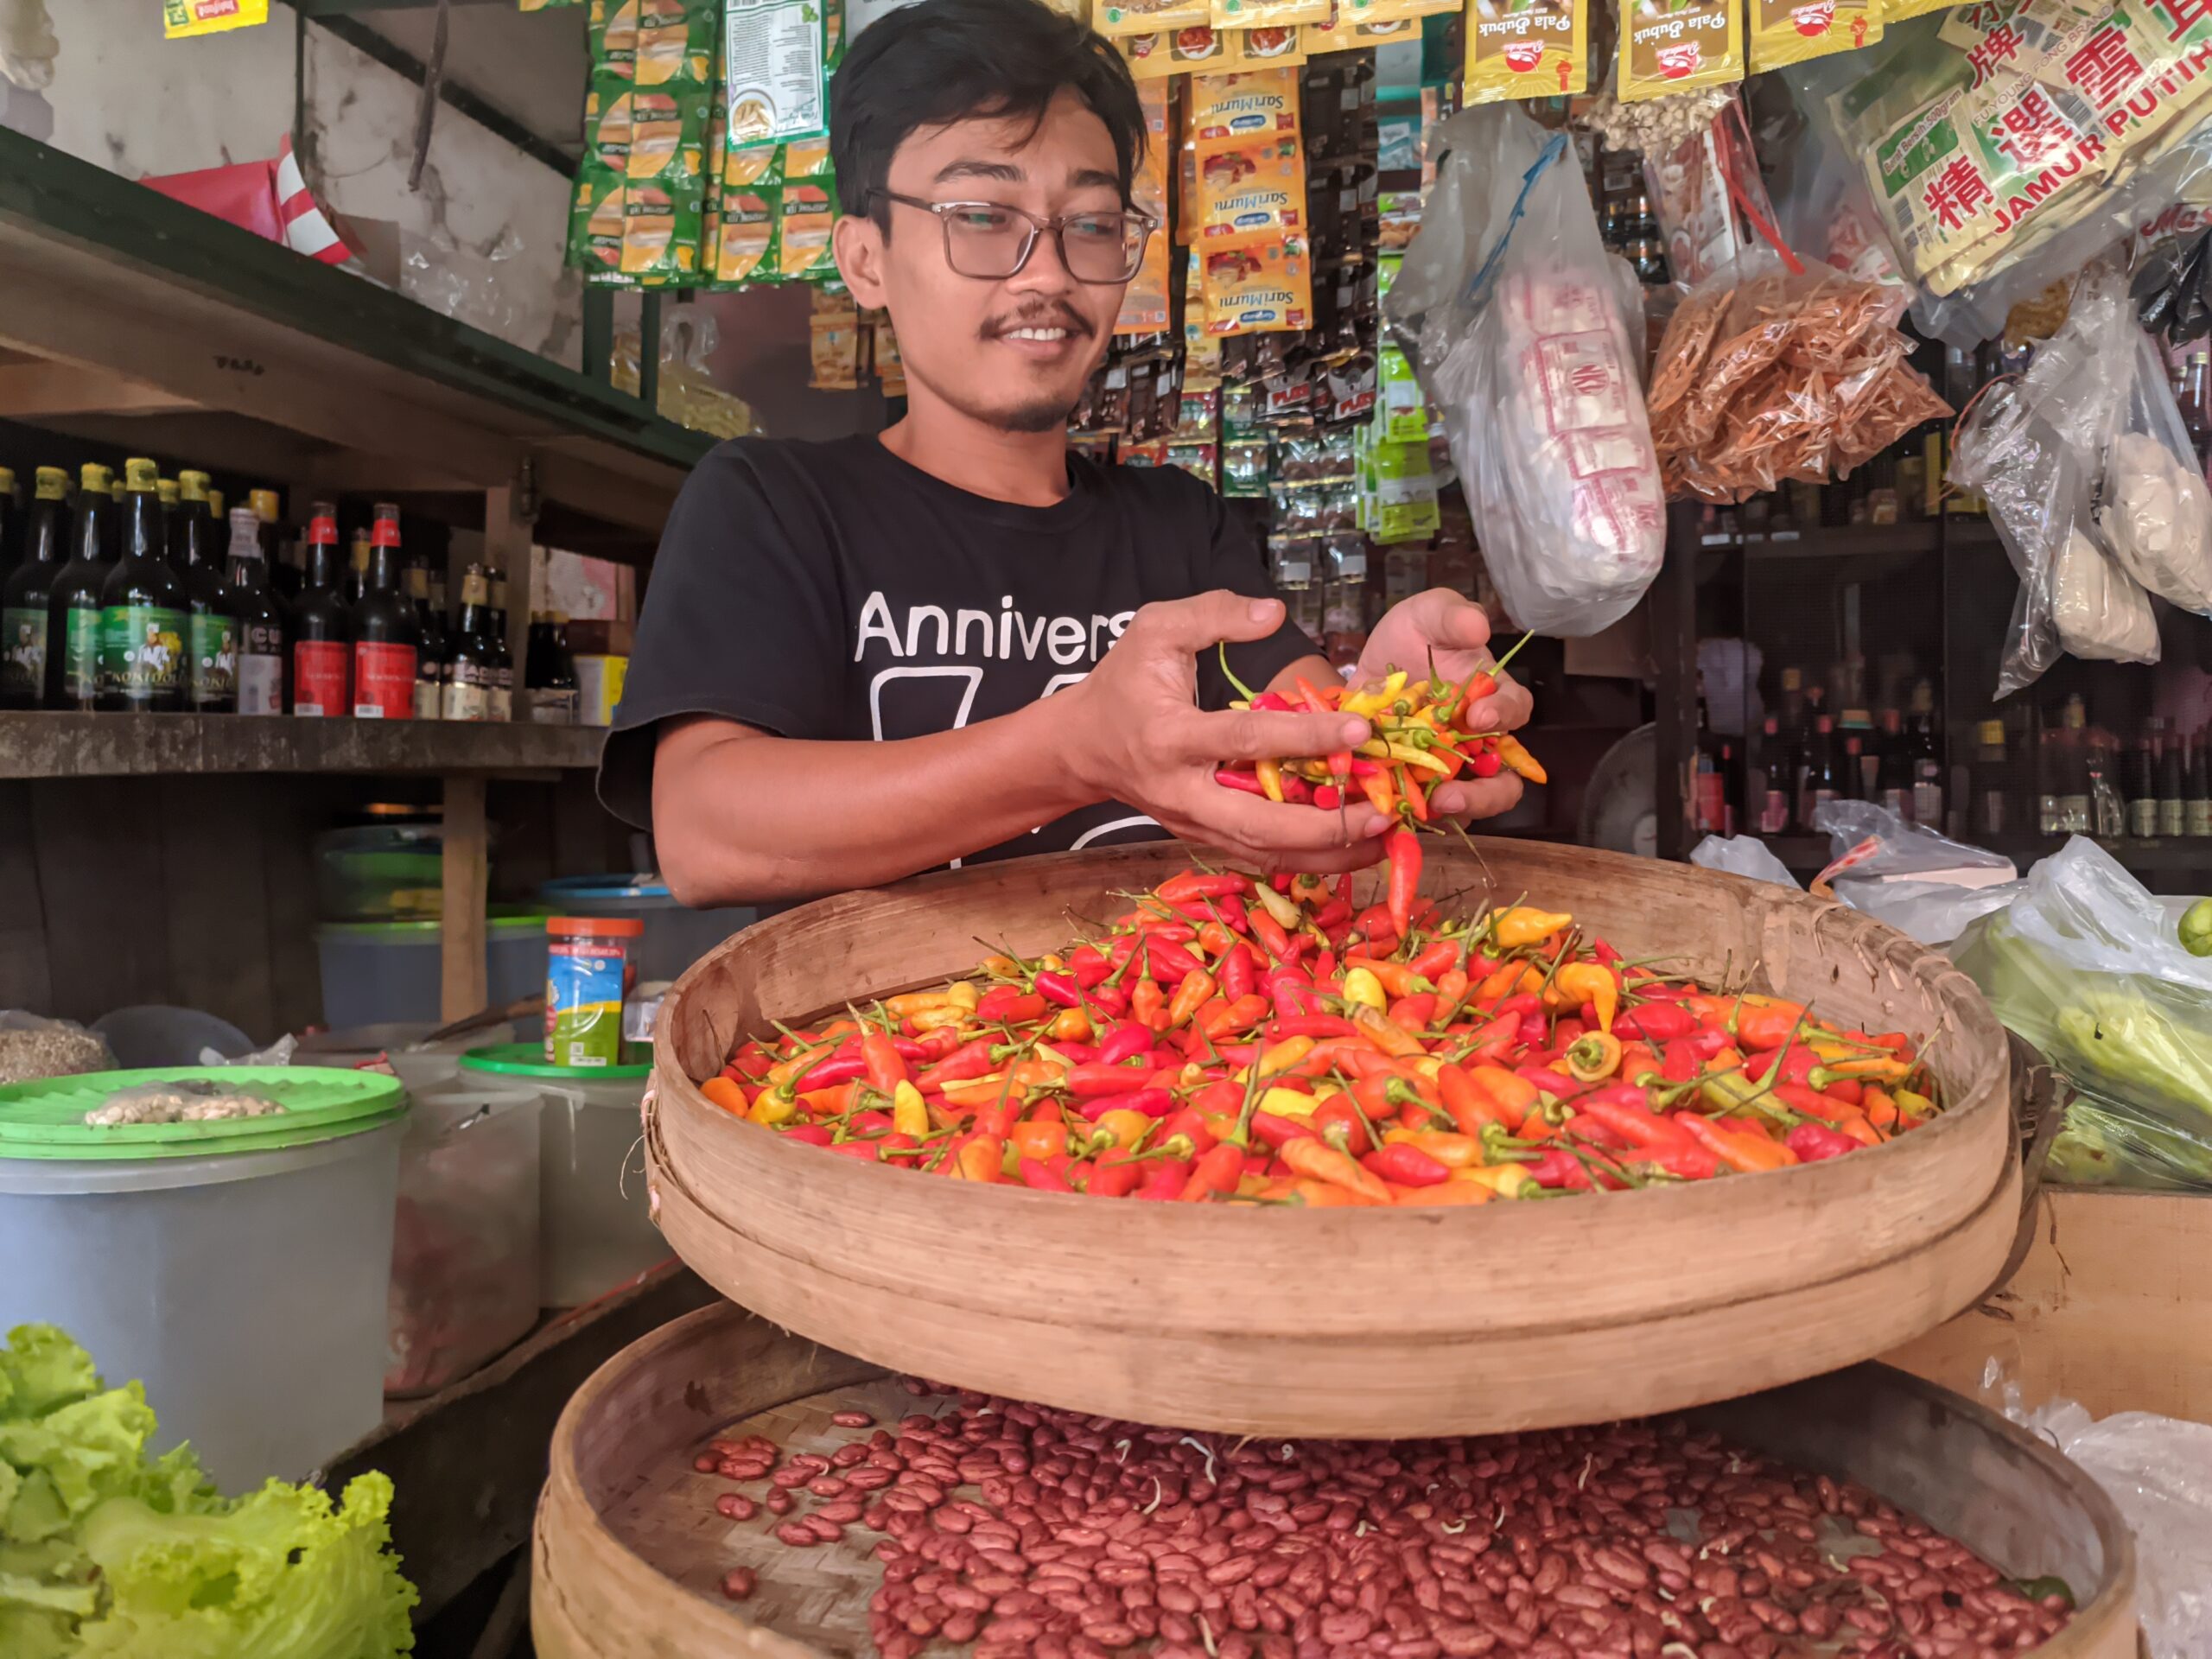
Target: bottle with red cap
x=385, y=631
x=322, y=640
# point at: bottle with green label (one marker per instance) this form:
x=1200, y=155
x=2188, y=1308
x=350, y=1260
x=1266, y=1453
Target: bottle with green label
x=211, y=656
x=73, y=626
x=28, y=592
x=142, y=609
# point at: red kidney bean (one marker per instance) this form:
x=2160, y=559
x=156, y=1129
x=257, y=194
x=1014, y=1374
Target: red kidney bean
x=779, y=1502
x=852, y=1420
x=736, y=1506
x=740, y=1582
x=797, y=1534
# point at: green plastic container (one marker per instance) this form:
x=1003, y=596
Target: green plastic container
x=240, y=1269
x=594, y=1231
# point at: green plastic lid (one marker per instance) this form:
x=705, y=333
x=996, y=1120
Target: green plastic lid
x=528, y=1061
x=46, y=1119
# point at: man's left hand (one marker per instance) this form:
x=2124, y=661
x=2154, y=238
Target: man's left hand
x=1454, y=630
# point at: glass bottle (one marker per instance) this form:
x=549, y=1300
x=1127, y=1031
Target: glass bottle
x=73, y=628
x=210, y=669
x=321, y=644
x=1992, y=781
x=384, y=633
x=432, y=656
x=27, y=597
x=549, y=673
x=2138, y=783
x=260, y=616
x=503, y=655
x=1893, y=768
x=468, y=691
x=2075, y=813
x=2173, y=785
x=2198, y=802
x=142, y=608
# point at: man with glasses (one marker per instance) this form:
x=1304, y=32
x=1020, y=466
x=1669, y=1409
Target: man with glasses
x=955, y=640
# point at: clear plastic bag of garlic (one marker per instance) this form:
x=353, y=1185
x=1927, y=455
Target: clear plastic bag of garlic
x=2154, y=510
x=1657, y=126
x=2101, y=614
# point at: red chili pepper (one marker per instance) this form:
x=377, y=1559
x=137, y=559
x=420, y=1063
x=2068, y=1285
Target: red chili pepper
x=1102, y=1077
x=1089, y=965
x=1436, y=959
x=1815, y=1142
x=1328, y=796
x=1124, y=1043
x=1796, y=1063
x=1270, y=934
x=1407, y=1166
x=1075, y=1053
x=812, y=1134
x=1115, y=1176
x=1035, y=1175
x=1333, y=915
x=1622, y=1108
x=1190, y=1124
x=1559, y=1168
x=1604, y=953
x=841, y=1067
x=1413, y=1013
x=1277, y=1132
x=1238, y=973
x=1518, y=1006
x=1153, y=1102
x=1061, y=990
x=1247, y=782
x=1338, y=1122
x=1109, y=999
x=1276, y=702
x=1316, y=1025
x=970, y=1059
x=1292, y=992
x=1655, y=1022
x=884, y=1068
x=865, y=1152
x=1165, y=1182
x=1201, y=884
x=1169, y=961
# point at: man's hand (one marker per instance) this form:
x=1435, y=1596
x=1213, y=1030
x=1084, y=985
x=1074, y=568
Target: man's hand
x=1451, y=630
x=1135, y=733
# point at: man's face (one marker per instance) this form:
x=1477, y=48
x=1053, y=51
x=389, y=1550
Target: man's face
x=1012, y=351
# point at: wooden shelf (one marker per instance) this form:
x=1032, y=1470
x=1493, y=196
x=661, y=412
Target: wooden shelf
x=1810, y=853
x=40, y=745
x=132, y=318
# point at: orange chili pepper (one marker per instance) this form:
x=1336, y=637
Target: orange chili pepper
x=731, y=1098
x=1513, y=1096
x=1216, y=940
x=1519, y=759
x=1190, y=996
x=979, y=1157
x=1040, y=1141
x=1881, y=1110
x=1326, y=1195
x=887, y=1068
x=1323, y=1162
x=1391, y=1040
x=1148, y=1004
x=833, y=1101
x=1445, y=1195
x=1745, y=1150
x=1070, y=1025
x=1498, y=985
x=1397, y=978
x=1452, y=1151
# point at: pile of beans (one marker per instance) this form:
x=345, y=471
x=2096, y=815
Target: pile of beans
x=1639, y=1539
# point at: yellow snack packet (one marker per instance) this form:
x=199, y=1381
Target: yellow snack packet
x=1145, y=302
x=1268, y=46
x=1526, y=49
x=1257, y=284
x=1252, y=188
x=1790, y=31
x=747, y=241
x=802, y=232
x=1256, y=14
x=182, y=19
x=1237, y=109
x=1669, y=48
x=1148, y=17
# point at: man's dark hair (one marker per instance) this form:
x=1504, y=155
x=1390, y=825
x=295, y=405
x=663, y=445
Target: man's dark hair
x=938, y=61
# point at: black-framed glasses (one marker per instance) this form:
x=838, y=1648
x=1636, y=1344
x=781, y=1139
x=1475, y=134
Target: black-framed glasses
x=989, y=240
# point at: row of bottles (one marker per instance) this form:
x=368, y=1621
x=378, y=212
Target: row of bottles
x=1806, y=757
x=128, y=604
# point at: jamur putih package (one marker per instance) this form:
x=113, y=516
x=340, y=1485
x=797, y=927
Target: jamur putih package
x=1790, y=31
x=1526, y=49
x=1678, y=46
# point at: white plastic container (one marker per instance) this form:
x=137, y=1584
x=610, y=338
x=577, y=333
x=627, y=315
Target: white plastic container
x=464, y=1247
x=594, y=1231
x=380, y=973
x=239, y=1269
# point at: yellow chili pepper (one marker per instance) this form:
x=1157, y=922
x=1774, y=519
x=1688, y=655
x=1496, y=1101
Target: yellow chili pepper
x=1507, y=1180
x=1126, y=1128
x=1592, y=982
x=1373, y=701
x=768, y=1108
x=1288, y=1103
x=1070, y=1025
x=1842, y=1062
x=1414, y=757
x=945, y=1014
x=1280, y=1058
x=1362, y=987
x=1002, y=967
x=1912, y=1104
x=1522, y=926
x=1270, y=776
x=910, y=1113
x=1280, y=906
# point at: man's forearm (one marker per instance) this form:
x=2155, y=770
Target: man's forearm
x=740, y=816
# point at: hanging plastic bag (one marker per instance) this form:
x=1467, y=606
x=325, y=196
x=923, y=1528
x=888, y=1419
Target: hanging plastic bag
x=2085, y=965
x=2035, y=448
x=1907, y=876
x=1508, y=308
x=2155, y=513
x=1744, y=855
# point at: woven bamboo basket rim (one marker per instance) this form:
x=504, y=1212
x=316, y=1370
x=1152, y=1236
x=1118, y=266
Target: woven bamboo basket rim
x=1220, y=1316
x=597, y=1593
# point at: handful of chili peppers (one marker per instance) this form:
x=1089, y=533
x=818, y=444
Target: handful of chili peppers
x=1233, y=1040
x=1421, y=736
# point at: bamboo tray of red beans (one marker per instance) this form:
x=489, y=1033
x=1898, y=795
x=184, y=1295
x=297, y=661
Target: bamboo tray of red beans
x=1411, y=1180
x=724, y=1488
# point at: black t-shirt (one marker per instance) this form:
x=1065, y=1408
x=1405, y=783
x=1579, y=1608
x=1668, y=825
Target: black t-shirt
x=833, y=590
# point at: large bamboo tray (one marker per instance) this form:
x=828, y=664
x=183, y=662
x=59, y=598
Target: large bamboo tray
x=1343, y=1322
x=629, y=1550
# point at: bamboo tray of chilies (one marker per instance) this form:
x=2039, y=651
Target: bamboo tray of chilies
x=1336, y=1322
x=629, y=1552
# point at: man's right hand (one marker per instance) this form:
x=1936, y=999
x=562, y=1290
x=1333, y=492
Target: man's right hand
x=1134, y=733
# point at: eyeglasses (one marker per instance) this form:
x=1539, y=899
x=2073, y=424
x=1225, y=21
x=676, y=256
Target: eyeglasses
x=991, y=241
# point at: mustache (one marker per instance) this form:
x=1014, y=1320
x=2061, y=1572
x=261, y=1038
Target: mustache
x=1046, y=314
